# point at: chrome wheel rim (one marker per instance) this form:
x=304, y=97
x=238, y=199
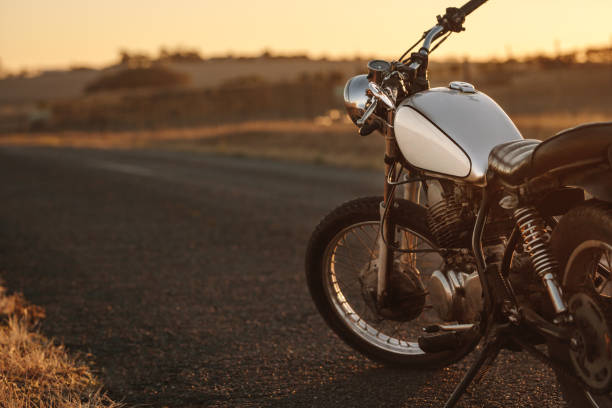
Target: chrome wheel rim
x=350, y=251
x=599, y=276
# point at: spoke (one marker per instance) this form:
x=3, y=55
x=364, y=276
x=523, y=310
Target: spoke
x=344, y=264
x=351, y=248
x=601, y=288
x=350, y=264
x=395, y=331
x=344, y=286
x=348, y=249
x=410, y=241
x=363, y=308
x=367, y=247
x=602, y=274
x=608, y=263
x=345, y=254
x=369, y=237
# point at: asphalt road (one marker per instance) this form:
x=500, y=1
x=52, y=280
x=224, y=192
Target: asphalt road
x=182, y=276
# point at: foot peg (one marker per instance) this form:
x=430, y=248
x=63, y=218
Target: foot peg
x=448, y=337
x=434, y=328
x=444, y=341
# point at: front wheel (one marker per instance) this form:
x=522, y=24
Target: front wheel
x=340, y=266
x=582, y=243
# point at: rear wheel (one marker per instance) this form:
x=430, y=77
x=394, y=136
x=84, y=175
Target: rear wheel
x=582, y=243
x=341, y=269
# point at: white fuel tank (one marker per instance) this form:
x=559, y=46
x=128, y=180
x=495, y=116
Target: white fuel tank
x=452, y=131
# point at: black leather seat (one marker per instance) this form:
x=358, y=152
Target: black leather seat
x=517, y=161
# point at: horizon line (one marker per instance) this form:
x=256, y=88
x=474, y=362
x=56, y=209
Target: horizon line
x=312, y=56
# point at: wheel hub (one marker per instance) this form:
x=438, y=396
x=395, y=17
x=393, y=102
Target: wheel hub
x=591, y=346
x=406, y=297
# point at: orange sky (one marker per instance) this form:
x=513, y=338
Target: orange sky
x=58, y=33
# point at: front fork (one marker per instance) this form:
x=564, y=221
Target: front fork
x=385, y=254
x=411, y=192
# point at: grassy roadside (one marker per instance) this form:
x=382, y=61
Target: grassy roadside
x=330, y=140
x=35, y=372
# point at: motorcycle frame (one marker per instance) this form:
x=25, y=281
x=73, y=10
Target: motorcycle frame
x=501, y=322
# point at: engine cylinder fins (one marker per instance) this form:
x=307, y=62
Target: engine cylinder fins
x=451, y=222
x=535, y=238
x=445, y=223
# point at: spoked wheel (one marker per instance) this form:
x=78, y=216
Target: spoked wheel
x=582, y=242
x=341, y=269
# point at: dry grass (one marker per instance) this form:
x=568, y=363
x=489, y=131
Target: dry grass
x=326, y=140
x=35, y=372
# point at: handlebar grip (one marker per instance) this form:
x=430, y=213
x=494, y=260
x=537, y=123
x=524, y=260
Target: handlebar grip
x=471, y=5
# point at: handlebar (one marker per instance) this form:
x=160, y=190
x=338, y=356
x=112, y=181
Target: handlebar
x=451, y=21
x=471, y=5
x=431, y=35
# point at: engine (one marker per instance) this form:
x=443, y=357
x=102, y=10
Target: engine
x=455, y=291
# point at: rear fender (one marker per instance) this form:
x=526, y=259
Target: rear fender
x=560, y=201
x=596, y=181
x=558, y=192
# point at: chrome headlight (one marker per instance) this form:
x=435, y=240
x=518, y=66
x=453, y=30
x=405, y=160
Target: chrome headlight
x=355, y=98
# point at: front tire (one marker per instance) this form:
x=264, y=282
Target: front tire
x=582, y=243
x=340, y=249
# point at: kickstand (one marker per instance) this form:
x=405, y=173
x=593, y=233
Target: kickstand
x=488, y=354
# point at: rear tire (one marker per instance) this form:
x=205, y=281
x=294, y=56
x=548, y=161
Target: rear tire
x=363, y=213
x=585, y=228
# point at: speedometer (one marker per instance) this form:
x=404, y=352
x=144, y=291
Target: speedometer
x=377, y=69
x=379, y=66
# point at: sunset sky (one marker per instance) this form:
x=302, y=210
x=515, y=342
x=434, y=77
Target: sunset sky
x=59, y=33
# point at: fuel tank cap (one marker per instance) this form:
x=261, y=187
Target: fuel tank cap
x=464, y=87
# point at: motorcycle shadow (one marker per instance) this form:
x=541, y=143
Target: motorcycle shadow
x=514, y=380
x=378, y=386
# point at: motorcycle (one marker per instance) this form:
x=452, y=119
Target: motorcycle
x=497, y=242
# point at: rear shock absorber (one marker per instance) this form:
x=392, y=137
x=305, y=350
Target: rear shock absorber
x=535, y=238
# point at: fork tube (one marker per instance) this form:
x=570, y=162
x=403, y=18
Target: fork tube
x=385, y=255
x=383, y=262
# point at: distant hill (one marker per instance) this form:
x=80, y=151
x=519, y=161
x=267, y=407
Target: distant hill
x=206, y=74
